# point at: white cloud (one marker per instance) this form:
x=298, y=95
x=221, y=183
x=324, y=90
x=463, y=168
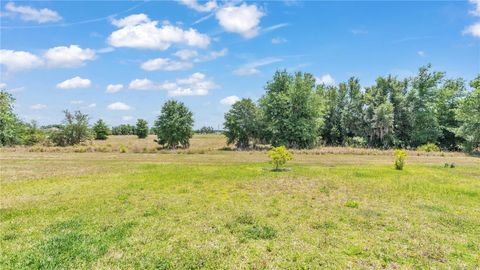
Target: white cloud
x=251, y=68
x=212, y=55
x=113, y=88
x=186, y=54
x=165, y=64
x=278, y=40
x=473, y=30
x=75, y=82
x=19, y=60
x=137, y=31
x=38, y=107
x=229, y=101
x=326, y=79
x=193, y=4
x=118, y=106
x=421, y=53
x=475, y=12
x=72, y=56
x=195, y=85
x=141, y=84
x=31, y=14
x=275, y=27
x=243, y=19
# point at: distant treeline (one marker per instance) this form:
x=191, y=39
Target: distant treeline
x=295, y=111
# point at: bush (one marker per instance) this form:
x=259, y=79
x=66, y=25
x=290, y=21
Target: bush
x=357, y=142
x=279, y=155
x=400, y=156
x=101, y=130
x=74, y=131
x=174, y=125
x=141, y=129
x=429, y=147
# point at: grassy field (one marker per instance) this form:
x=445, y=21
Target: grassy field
x=216, y=209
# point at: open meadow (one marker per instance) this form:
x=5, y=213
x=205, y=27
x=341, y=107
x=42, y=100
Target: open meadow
x=212, y=208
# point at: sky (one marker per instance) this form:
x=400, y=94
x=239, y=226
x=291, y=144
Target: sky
x=121, y=60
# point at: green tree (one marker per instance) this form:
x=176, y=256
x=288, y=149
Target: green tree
x=334, y=131
x=290, y=110
x=468, y=114
x=279, y=155
x=74, y=130
x=241, y=123
x=354, y=118
x=174, y=125
x=426, y=128
x=142, y=128
x=11, y=128
x=100, y=130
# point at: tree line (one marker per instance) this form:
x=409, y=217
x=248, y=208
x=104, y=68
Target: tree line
x=296, y=112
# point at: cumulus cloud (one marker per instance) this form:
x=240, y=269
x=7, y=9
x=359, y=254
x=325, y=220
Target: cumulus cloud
x=75, y=82
x=251, y=68
x=194, y=85
x=141, y=84
x=19, y=60
x=38, y=107
x=473, y=30
x=113, y=88
x=193, y=4
x=193, y=55
x=186, y=54
x=72, y=56
x=165, y=64
x=326, y=79
x=229, y=101
x=243, y=19
x=476, y=11
x=118, y=106
x=138, y=31
x=28, y=13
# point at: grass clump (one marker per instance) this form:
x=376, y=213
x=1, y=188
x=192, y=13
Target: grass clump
x=429, y=147
x=351, y=204
x=400, y=156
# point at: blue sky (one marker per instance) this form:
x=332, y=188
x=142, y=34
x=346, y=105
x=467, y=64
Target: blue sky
x=122, y=60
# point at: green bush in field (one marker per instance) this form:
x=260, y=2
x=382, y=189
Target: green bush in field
x=429, y=147
x=279, y=155
x=141, y=129
x=100, y=130
x=400, y=156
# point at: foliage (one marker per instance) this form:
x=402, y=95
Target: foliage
x=74, y=131
x=400, y=156
x=124, y=129
x=241, y=123
x=11, y=128
x=206, y=130
x=468, y=114
x=429, y=147
x=174, y=125
x=356, y=141
x=279, y=155
x=290, y=110
x=142, y=128
x=100, y=130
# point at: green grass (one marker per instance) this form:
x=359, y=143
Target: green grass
x=191, y=214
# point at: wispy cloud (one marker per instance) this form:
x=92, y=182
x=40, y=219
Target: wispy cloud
x=275, y=27
x=252, y=68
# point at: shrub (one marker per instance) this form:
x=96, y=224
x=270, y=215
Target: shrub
x=101, y=130
x=357, y=142
x=174, y=125
x=141, y=129
x=122, y=149
x=351, y=204
x=279, y=155
x=74, y=131
x=400, y=156
x=429, y=147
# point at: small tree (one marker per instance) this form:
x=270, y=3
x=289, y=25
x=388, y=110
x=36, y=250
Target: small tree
x=142, y=129
x=74, y=131
x=11, y=128
x=174, y=125
x=279, y=155
x=241, y=123
x=101, y=130
x=400, y=156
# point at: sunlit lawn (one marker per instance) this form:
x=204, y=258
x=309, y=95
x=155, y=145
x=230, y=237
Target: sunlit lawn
x=223, y=210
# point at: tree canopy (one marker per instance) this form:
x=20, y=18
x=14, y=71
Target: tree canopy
x=174, y=125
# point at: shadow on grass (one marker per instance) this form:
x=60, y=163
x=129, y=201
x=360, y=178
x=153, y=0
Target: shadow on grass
x=276, y=170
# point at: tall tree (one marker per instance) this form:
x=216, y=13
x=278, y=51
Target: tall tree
x=101, y=130
x=174, y=125
x=468, y=114
x=241, y=123
x=354, y=115
x=10, y=126
x=141, y=128
x=426, y=128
